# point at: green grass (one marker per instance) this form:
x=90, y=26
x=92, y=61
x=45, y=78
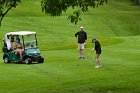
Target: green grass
x=62, y=72
x=116, y=25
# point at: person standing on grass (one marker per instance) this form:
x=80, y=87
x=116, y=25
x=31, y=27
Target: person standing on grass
x=82, y=37
x=98, y=50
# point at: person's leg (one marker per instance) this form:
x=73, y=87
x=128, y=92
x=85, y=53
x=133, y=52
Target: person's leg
x=81, y=49
x=81, y=52
x=20, y=53
x=97, y=60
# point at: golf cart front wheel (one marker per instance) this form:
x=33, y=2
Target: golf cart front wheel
x=6, y=60
x=28, y=61
x=41, y=60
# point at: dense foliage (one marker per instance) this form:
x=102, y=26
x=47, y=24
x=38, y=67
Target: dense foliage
x=5, y=6
x=135, y=2
x=56, y=7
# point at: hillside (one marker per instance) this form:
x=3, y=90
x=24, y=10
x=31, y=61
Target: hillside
x=117, y=18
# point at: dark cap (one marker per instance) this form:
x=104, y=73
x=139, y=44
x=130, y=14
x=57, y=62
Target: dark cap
x=18, y=40
x=93, y=39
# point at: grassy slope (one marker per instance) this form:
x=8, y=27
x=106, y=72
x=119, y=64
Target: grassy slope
x=62, y=72
x=106, y=21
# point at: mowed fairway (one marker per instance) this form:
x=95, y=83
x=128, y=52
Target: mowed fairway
x=116, y=25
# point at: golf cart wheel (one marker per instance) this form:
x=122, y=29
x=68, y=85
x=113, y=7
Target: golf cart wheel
x=6, y=60
x=28, y=61
x=41, y=60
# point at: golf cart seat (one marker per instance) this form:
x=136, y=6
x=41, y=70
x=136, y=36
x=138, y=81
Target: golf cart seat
x=5, y=49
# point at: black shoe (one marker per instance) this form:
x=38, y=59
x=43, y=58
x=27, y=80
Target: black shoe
x=83, y=57
x=80, y=57
x=20, y=60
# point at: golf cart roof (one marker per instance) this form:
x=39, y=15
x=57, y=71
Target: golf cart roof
x=21, y=33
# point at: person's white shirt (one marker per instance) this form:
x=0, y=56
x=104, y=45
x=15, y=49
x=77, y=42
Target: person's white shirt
x=8, y=42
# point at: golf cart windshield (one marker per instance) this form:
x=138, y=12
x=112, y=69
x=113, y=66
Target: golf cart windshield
x=30, y=41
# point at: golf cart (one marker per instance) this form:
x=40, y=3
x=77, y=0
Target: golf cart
x=30, y=49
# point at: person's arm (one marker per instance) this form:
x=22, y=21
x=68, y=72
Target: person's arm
x=93, y=49
x=76, y=34
x=19, y=45
x=85, y=36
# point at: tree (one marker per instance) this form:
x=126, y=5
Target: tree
x=135, y=2
x=57, y=7
x=6, y=6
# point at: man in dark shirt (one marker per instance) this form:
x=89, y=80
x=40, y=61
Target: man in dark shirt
x=82, y=37
x=97, y=48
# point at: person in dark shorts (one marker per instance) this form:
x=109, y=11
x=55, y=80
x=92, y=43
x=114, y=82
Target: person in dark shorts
x=98, y=50
x=82, y=37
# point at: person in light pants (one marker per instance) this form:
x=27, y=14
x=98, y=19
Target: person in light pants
x=82, y=37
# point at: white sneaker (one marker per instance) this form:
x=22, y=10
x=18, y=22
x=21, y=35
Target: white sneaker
x=97, y=66
x=100, y=65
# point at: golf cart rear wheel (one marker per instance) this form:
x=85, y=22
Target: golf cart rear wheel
x=6, y=60
x=41, y=60
x=28, y=61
